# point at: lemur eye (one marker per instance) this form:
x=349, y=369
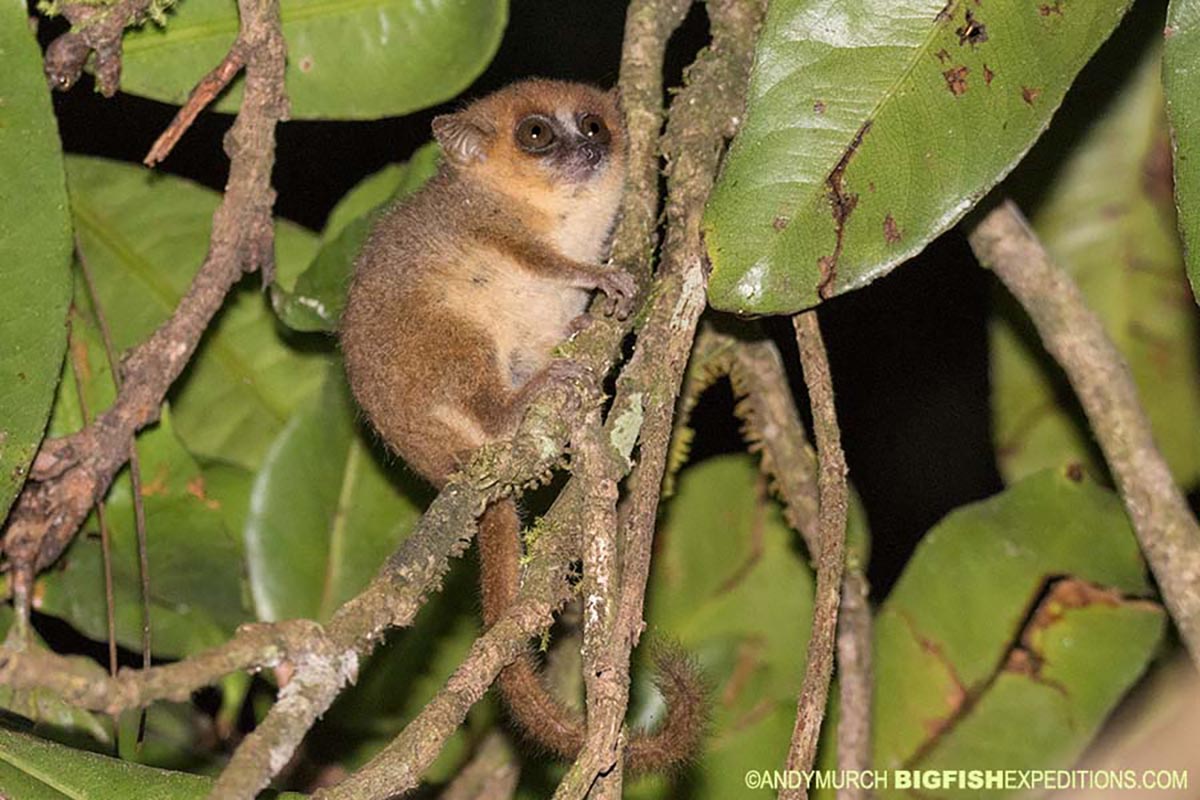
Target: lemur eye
x=593, y=127
x=535, y=135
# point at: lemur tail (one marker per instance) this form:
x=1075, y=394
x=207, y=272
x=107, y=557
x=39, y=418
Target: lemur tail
x=545, y=719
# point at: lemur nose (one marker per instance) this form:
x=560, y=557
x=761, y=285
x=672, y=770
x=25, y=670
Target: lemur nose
x=593, y=152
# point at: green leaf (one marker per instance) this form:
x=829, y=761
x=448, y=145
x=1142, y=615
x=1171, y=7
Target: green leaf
x=347, y=59
x=731, y=587
x=316, y=301
x=1107, y=218
x=1181, y=71
x=872, y=126
x=324, y=511
x=35, y=249
x=195, y=560
x=390, y=183
x=144, y=235
x=33, y=769
x=1014, y=631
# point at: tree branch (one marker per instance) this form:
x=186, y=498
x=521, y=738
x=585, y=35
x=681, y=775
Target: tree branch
x=397, y=768
x=1075, y=337
x=81, y=682
x=72, y=473
x=98, y=28
x=831, y=558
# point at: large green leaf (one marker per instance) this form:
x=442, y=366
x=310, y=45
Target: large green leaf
x=348, y=59
x=324, y=511
x=35, y=250
x=1014, y=631
x=316, y=301
x=196, y=593
x=872, y=126
x=1181, y=71
x=144, y=235
x=34, y=769
x=1108, y=220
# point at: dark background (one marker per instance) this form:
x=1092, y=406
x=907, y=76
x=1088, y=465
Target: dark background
x=909, y=352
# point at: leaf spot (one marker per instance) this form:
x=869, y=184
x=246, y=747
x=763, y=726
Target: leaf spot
x=943, y=55
x=1047, y=9
x=1030, y=94
x=956, y=79
x=973, y=32
x=988, y=75
x=819, y=107
x=158, y=485
x=195, y=488
x=891, y=231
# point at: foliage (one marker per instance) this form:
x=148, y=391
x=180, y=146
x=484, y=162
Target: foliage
x=872, y=127
x=1181, y=65
x=35, y=248
x=831, y=183
x=428, y=51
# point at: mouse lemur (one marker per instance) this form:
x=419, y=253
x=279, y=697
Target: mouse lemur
x=459, y=296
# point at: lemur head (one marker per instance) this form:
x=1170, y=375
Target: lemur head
x=538, y=136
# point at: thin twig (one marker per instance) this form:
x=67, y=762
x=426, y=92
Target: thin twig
x=202, y=94
x=831, y=559
x=648, y=27
x=773, y=427
x=81, y=682
x=113, y=367
x=110, y=618
x=135, y=481
x=1075, y=337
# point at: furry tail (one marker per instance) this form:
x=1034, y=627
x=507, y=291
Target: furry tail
x=542, y=717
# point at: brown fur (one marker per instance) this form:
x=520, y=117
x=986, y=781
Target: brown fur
x=459, y=296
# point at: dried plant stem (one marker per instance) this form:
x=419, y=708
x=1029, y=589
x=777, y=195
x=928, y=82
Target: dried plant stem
x=204, y=93
x=1075, y=337
x=833, y=504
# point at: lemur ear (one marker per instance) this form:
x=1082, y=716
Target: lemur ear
x=462, y=140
